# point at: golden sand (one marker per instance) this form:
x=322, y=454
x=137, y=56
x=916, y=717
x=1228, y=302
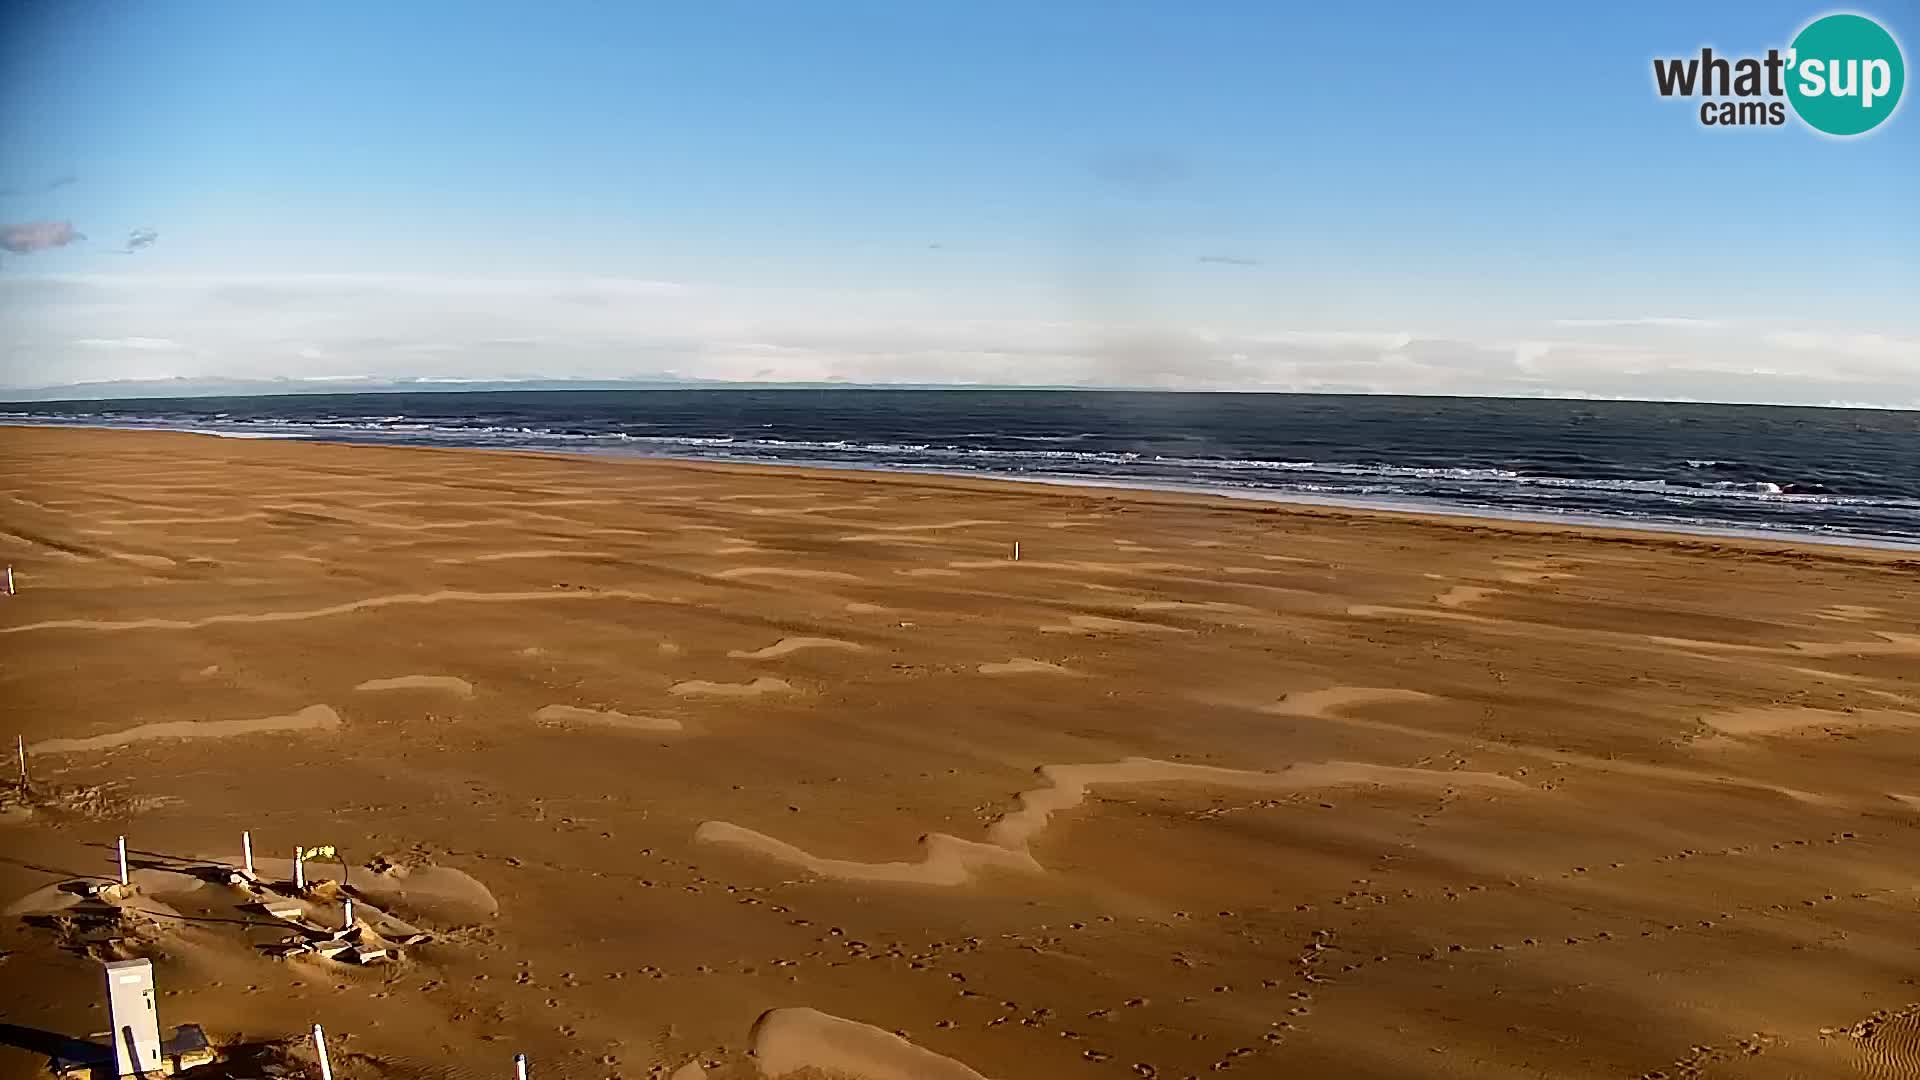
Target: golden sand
x=696, y=771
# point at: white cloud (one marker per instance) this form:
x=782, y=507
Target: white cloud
x=370, y=327
x=135, y=344
x=1669, y=322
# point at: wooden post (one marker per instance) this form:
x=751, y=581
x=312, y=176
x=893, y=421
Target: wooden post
x=320, y=1047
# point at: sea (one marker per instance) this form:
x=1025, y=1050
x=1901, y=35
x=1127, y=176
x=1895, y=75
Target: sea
x=1837, y=475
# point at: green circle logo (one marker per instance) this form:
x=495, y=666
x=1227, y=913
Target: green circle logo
x=1845, y=74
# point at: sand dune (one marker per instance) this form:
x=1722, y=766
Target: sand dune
x=311, y=718
x=1321, y=703
x=1779, y=721
x=1889, y=644
x=786, y=1041
x=949, y=860
x=1461, y=595
x=789, y=645
x=561, y=715
x=1102, y=624
x=537, y=553
x=939, y=526
x=446, y=683
x=1020, y=665
x=1086, y=566
x=739, y=572
x=703, y=688
x=445, y=596
x=944, y=859
x=1374, y=611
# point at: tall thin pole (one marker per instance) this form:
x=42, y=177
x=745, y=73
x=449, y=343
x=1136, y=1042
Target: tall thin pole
x=299, y=869
x=520, y=1066
x=123, y=860
x=320, y=1047
x=246, y=847
x=346, y=915
x=1016, y=551
x=20, y=743
x=9, y=580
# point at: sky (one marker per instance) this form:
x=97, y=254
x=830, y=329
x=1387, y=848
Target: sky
x=1393, y=198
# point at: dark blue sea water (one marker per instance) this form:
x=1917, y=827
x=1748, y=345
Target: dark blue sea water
x=1837, y=474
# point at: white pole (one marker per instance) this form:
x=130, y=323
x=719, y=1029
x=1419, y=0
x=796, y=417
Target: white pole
x=246, y=846
x=1016, y=551
x=123, y=860
x=20, y=742
x=520, y=1066
x=299, y=869
x=346, y=916
x=320, y=1047
x=9, y=580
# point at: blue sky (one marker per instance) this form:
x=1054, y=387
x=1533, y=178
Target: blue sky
x=1402, y=198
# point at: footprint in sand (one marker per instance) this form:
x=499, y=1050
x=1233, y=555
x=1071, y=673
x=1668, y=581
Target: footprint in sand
x=703, y=688
x=1020, y=665
x=445, y=683
x=570, y=715
x=788, y=645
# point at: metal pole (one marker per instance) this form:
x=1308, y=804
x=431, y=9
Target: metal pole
x=246, y=846
x=346, y=916
x=299, y=869
x=20, y=742
x=123, y=860
x=320, y=1047
x=520, y=1066
x=1016, y=551
x=9, y=580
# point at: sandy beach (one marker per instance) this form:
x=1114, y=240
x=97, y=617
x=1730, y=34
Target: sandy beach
x=682, y=770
